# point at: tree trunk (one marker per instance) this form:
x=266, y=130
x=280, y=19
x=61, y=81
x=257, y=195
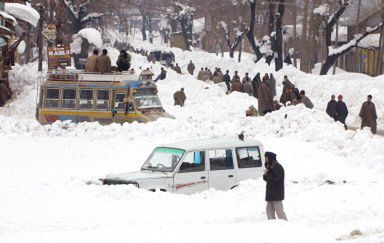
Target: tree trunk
x=150, y=29
x=279, y=36
x=357, y=31
x=40, y=38
x=304, y=51
x=240, y=50
x=250, y=33
x=336, y=44
x=143, y=28
x=271, y=24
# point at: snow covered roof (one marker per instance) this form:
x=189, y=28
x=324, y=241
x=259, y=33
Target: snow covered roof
x=23, y=12
x=213, y=143
x=92, y=35
x=198, y=25
x=8, y=16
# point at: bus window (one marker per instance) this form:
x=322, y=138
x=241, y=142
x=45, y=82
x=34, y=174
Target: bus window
x=86, y=99
x=52, y=98
x=69, y=99
x=119, y=101
x=102, y=100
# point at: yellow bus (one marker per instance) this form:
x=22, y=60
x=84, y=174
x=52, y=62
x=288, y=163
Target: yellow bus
x=104, y=98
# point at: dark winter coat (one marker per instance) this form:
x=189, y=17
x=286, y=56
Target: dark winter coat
x=272, y=85
x=369, y=116
x=191, y=68
x=265, y=103
x=179, y=98
x=341, y=111
x=275, y=182
x=255, y=84
x=177, y=69
x=123, y=63
x=331, y=109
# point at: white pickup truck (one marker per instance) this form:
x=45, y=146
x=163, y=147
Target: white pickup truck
x=197, y=165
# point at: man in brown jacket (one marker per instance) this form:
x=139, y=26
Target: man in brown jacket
x=177, y=68
x=265, y=101
x=191, y=67
x=368, y=115
x=91, y=64
x=103, y=63
x=179, y=97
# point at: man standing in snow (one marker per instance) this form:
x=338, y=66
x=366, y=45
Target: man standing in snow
x=104, y=62
x=200, y=74
x=272, y=85
x=91, y=64
x=177, y=68
x=255, y=84
x=227, y=80
x=247, y=86
x=274, y=176
x=265, y=99
x=235, y=78
x=191, y=68
x=341, y=111
x=305, y=100
x=179, y=97
x=331, y=108
x=368, y=115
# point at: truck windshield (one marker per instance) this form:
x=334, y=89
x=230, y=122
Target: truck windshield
x=163, y=159
x=147, y=101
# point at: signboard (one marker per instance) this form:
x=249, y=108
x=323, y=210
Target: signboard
x=50, y=32
x=59, y=57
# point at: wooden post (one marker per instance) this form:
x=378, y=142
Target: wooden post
x=356, y=65
x=379, y=68
x=40, y=36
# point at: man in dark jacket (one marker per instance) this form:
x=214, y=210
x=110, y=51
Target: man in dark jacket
x=331, y=108
x=341, y=111
x=227, y=80
x=255, y=85
x=162, y=75
x=274, y=176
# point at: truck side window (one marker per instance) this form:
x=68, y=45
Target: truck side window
x=102, y=102
x=248, y=157
x=221, y=159
x=52, y=97
x=86, y=99
x=119, y=101
x=69, y=99
x=193, y=162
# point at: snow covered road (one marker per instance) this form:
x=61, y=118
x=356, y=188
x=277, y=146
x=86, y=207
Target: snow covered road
x=43, y=170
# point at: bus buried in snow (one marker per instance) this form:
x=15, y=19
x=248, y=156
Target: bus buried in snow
x=104, y=98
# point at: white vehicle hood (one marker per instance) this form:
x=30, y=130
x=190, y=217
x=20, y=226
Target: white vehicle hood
x=138, y=176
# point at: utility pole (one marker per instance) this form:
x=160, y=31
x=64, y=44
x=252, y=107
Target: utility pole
x=357, y=31
x=40, y=36
x=294, y=34
x=379, y=68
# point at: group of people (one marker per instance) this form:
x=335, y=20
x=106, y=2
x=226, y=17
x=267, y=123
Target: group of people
x=339, y=112
x=102, y=63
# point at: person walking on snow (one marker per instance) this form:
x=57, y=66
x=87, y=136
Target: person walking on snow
x=274, y=176
x=331, y=108
x=191, y=68
x=341, y=111
x=227, y=80
x=272, y=84
x=200, y=74
x=177, y=68
x=179, y=97
x=368, y=115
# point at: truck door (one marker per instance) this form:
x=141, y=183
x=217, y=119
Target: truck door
x=192, y=175
x=222, y=174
